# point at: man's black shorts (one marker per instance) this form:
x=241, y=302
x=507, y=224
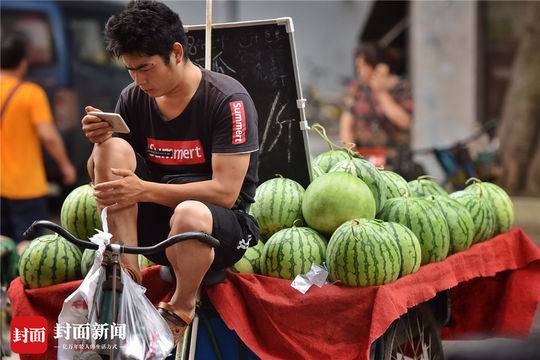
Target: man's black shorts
x=232, y=227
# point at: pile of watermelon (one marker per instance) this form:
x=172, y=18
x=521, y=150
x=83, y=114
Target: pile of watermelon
x=368, y=226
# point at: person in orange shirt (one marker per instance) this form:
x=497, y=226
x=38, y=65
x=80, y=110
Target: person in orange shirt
x=26, y=123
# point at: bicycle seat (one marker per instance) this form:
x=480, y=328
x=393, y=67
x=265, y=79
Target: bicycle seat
x=212, y=277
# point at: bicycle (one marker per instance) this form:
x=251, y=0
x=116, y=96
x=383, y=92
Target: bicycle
x=457, y=163
x=107, y=298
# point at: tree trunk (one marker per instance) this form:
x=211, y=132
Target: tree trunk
x=519, y=131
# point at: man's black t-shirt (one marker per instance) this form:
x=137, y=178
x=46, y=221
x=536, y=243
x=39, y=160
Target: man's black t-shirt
x=220, y=119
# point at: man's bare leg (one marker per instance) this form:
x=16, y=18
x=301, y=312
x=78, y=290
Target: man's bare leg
x=117, y=153
x=190, y=259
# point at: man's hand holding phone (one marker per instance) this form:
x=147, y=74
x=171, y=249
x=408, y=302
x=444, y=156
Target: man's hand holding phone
x=95, y=129
x=98, y=126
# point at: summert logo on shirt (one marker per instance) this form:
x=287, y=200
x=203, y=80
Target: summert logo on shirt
x=170, y=152
x=238, y=122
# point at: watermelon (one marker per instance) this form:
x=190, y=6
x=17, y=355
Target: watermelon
x=329, y=159
x=459, y=220
x=409, y=247
x=10, y=259
x=368, y=173
x=87, y=261
x=425, y=220
x=50, y=259
x=335, y=154
x=250, y=263
x=79, y=213
x=292, y=251
x=395, y=184
x=499, y=201
x=278, y=204
x=316, y=171
x=144, y=262
x=424, y=186
x=481, y=212
x=334, y=198
x=362, y=252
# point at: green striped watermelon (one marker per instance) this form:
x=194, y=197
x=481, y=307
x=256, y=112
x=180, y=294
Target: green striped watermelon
x=10, y=259
x=424, y=186
x=144, y=262
x=368, y=173
x=79, y=212
x=330, y=158
x=362, y=252
x=481, y=212
x=395, y=184
x=425, y=220
x=278, y=204
x=334, y=198
x=335, y=153
x=50, y=259
x=250, y=263
x=292, y=251
x=316, y=171
x=87, y=261
x=459, y=220
x=409, y=247
x=499, y=201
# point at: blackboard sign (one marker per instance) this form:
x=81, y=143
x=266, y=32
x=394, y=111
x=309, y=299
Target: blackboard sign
x=261, y=56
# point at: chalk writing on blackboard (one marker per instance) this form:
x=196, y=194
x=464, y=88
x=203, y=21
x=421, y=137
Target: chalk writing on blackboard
x=281, y=124
x=247, y=41
x=268, y=123
x=218, y=64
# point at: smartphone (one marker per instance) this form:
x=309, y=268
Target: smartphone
x=115, y=120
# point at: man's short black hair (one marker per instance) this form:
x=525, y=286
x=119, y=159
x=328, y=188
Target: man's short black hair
x=13, y=50
x=147, y=28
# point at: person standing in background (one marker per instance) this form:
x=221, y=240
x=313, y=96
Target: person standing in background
x=26, y=123
x=378, y=114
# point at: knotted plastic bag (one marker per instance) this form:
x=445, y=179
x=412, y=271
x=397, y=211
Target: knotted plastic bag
x=140, y=333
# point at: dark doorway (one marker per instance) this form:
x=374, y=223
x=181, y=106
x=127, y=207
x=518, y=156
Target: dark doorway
x=388, y=25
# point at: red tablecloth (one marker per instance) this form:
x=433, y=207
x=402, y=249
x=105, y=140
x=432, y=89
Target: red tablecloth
x=495, y=290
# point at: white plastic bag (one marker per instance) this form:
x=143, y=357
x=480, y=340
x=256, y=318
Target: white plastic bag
x=147, y=331
x=140, y=332
x=71, y=330
x=317, y=275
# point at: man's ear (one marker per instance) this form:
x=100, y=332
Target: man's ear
x=178, y=52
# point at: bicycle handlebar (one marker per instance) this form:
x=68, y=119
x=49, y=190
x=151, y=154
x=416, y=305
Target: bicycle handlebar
x=202, y=237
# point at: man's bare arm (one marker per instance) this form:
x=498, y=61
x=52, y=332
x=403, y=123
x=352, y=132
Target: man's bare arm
x=52, y=142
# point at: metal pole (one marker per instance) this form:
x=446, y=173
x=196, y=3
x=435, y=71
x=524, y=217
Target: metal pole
x=194, y=334
x=208, y=40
